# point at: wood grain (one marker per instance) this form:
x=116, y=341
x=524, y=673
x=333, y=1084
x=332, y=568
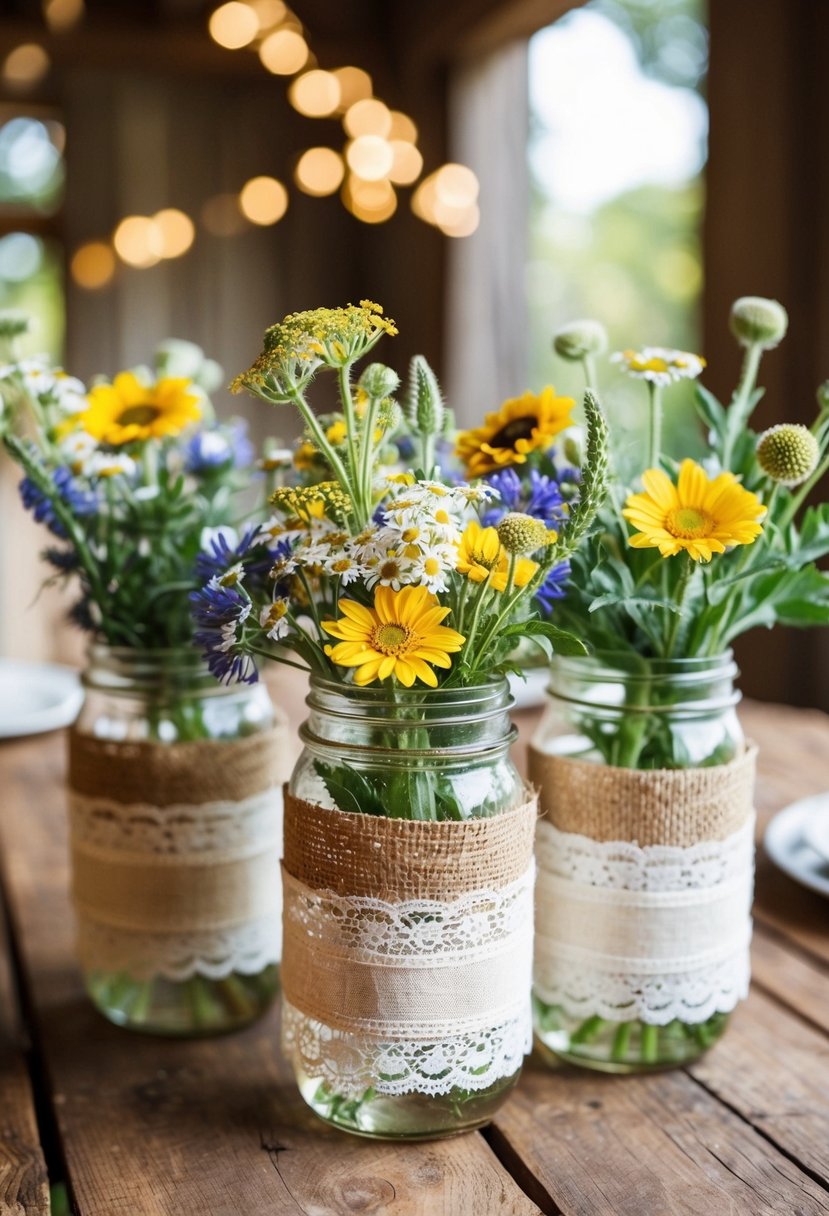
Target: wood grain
x=152, y=1127
x=23, y=1183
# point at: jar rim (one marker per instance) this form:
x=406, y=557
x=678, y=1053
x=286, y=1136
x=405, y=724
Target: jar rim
x=633, y=666
x=379, y=695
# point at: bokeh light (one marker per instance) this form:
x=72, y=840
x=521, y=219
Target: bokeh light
x=25, y=66
x=402, y=127
x=268, y=13
x=263, y=200
x=61, y=15
x=221, y=216
x=407, y=163
x=21, y=255
x=368, y=117
x=284, y=52
x=370, y=157
x=138, y=241
x=93, y=265
x=319, y=171
x=456, y=186
x=316, y=94
x=355, y=85
x=177, y=232
x=233, y=25
x=371, y=202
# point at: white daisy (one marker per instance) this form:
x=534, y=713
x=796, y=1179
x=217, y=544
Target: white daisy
x=659, y=364
x=274, y=620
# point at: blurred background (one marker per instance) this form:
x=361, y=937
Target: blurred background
x=486, y=169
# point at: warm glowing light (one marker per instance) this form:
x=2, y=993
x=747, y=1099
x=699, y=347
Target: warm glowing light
x=284, y=52
x=319, y=171
x=407, y=163
x=25, y=66
x=370, y=157
x=62, y=14
x=424, y=200
x=368, y=117
x=177, y=232
x=465, y=224
x=268, y=13
x=221, y=215
x=315, y=94
x=355, y=85
x=138, y=241
x=371, y=202
x=402, y=127
x=93, y=265
x=456, y=186
x=233, y=25
x=263, y=200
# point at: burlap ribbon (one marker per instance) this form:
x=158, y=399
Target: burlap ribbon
x=171, y=840
x=649, y=807
x=429, y=980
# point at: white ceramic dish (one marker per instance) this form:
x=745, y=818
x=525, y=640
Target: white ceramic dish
x=36, y=697
x=788, y=841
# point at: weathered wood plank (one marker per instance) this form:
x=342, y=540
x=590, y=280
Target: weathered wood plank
x=793, y=979
x=611, y=1146
x=24, y=1186
x=773, y=1069
x=162, y=1128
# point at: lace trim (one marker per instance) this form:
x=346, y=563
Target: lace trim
x=622, y=866
x=179, y=829
x=246, y=949
x=651, y=933
x=352, y=1063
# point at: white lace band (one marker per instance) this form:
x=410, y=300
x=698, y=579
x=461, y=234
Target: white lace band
x=653, y=933
x=416, y=996
x=179, y=890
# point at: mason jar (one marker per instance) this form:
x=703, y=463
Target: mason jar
x=408, y=909
x=175, y=829
x=645, y=859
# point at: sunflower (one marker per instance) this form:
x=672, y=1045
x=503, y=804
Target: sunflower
x=400, y=636
x=128, y=411
x=522, y=425
x=482, y=557
x=701, y=515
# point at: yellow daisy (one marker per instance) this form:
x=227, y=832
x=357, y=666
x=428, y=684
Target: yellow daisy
x=400, y=636
x=701, y=515
x=128, y=411
x=481, y=556
x=522, y=425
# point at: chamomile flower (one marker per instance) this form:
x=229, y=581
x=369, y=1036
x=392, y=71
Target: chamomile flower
x=659, y=364
x=343, y=566
x=273, y=618
x=76, y=449
x=393, y=570
x=109, y=464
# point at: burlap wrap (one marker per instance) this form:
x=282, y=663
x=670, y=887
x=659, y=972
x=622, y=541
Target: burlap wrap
x=651, y=807
x=175, y=850
x=447, y=875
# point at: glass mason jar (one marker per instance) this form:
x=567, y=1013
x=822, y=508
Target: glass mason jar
x=164, y=762
x=430, y=755
x=629, y=712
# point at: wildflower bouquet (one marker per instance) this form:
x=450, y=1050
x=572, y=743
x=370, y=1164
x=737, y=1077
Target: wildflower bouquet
x=398, y=579
x=697, y=552
x=645, y=777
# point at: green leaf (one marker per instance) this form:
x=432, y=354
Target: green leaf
x=709, y=409
x=349, y=789
x=563, y=642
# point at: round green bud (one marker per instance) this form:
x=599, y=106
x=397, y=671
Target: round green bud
x=758, y=322
x=788, y=453
x=379, y=381
x=522, y=534
x=579, y=339
x=13, y=323
x=572, y=451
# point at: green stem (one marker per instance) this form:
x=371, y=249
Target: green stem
x=589, y=366
x=803, y=493
x=649, y=1043
x=367, y=455
x=344, y=376
x=621, y=1043
x=654, y=425
x=676, y=617
x=737, y=416
x=320, y=439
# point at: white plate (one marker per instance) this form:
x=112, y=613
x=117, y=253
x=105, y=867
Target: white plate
x=787, y=844
x=36, y=697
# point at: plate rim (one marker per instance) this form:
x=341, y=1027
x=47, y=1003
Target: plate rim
x=783, y=821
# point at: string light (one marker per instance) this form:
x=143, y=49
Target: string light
x=407, y=163
x=25, y=66
x=221, y=215
x=402, y=127
x=316, y=94
x=62, y=14
x=355, y=85
x=177, y=232
x=93, y=265
x=465, y=224
x=319, y=171
x=284, y=52
x=138, y=241
x=370, y=157
x=368, y=117
x=371, y=202
x=263, y=200
x=233, y=25
x=456, y=186
x=268, y=13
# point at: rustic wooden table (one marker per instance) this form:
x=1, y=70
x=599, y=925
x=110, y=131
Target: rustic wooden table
x=147, y=1127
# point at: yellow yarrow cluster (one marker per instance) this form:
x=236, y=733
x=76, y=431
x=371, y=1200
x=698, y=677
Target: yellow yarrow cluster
x=313, y=502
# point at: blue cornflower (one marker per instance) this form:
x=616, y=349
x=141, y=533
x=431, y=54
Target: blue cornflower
x=554, y=587
x=223, y=553
x=539, y=496
x=65, y=560
x=220, y=448
x=219, y=614
x=80, y=502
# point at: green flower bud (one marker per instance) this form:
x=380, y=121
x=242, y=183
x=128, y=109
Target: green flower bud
x=788, y=453
x=425, y=401
x=13, y=323
x=579, y=339
x=379, y=381
x=572, y=451
x=522, y=534
x=758, y=322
